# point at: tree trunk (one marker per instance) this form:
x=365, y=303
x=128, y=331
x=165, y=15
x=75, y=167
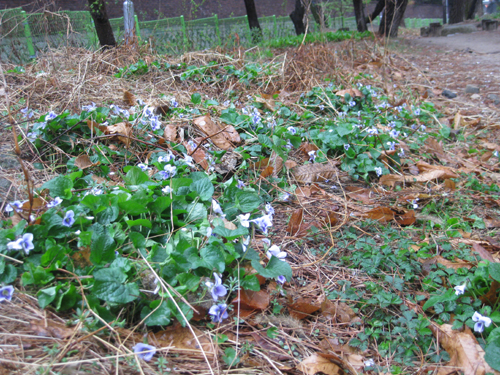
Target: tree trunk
x=253, y=21
x=393, y=14
x=457, y=11
x=101, y=23
x=472, y=8
x=378, y=9
x=297, y=17
x=318, y=14
x=359, y=12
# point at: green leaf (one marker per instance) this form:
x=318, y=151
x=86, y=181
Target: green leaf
x=494, y=270
x=59, y=187
x=231, y=234
x=141, y=222
x=492, y=354
x=204, y=188
x=196, y=211
x=36, y=276
x=448, y=296
x=186, y=310
x=250, y=282
x=195, y=98
x=265, y=140
x=46, y=296
x=247, y=201
x=272, y=332
x=102, y=248
x=135, y=176
x=114, y=292
x=274, y=268
x=190, y=281
x=66, y=300
x=136, y=204
x=230, y=357
x=160, y=316
x=138, y=240
x=213, y=257
x=8, y=274
x=160, y=204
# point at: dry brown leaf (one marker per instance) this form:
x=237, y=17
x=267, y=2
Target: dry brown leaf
x=391, y=179
x=170, y=133
x=82, y=257
x=491, y=297
x=231, y=134
x=408, y=218
x=302, y=308
x=310, y=173
x=48, y=328
x=318, y=363
x=289, y=164
x=123, y=130
x=449, y=184
x=94, y=125
x=129, y=98
x=360, y=194
x=382, y=214
x=466, y=355
x=306, y=148
x=295, y=222
x=212, y=130
x=339, y=311
x=454, y=264
x=354, y=92
x=182, y=340
x=199, y=156
x=266, y=172
x=250, y=300
x=229, y=224
x=268, y=102
x=447, y=171
x=83, y=162
x=483, y=253
x=458, y=121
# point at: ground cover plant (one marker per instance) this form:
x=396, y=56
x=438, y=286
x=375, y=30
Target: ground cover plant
x=291, y=210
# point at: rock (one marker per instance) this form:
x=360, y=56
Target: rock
x=429, y=93
x=471, y=89
x=448, y=94
x=494, y=97
x=475, y=96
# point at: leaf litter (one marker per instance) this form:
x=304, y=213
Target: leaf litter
x=312, y=205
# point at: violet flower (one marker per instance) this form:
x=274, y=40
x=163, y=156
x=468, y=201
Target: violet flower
x=69, y=219
x=6, y=293
x=24, y=243
x=218, y=312
x=140, y=350
x=217, y=289
x=275, y=251
x=481, y=322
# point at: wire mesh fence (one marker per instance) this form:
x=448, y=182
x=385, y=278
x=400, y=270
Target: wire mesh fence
x=23, y=35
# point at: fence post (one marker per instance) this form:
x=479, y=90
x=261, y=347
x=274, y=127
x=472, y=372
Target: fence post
x=27, y=34
x=137, y=28
x=275, y=27
x=184, y=33
x=217, y=31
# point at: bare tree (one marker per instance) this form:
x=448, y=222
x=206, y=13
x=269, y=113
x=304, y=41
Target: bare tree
x=101, y=23
x=457, y=11
x=359, y=12
x=297, y=17
x=393, y=15
x=253, y=21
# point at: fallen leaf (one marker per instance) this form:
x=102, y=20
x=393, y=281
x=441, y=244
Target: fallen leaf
x=295, y=222
x=449, y=184
x=339, y=311
x=51, y=329
x=129, y=98
x=408, y=218
x=289, y=164
x=491, y=297
x=302, y=308
x=382, y=214
x=466, y=355
x=199, y=156
x=266, y=172
x=170, y=133
x=94, y=125
x=250, y=300
x=483, y=253
x=457, y=121
x=360, y=194
x=310, y=173
x=354, y=93
x=455, y=264
x=318, y=363
x=83, y=162
x=231, y=134
x=123, y=130
x=212, y=130
x=182, y=340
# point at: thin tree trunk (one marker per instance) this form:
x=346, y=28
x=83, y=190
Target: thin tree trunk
x=297, y=17
x=318, y=14
x=393, y=14
x=101, y=23
x=359, y=12
x=253, y=21
x=472, y=9
x=378, y=9
x=457, y=11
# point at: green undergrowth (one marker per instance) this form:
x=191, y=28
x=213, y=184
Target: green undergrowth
x=141, y=238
